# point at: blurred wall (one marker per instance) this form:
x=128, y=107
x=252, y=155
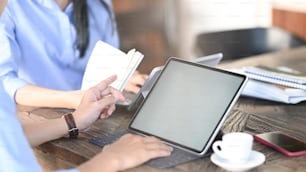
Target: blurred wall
x=165, y=28
x=200, y=16
x=151, y=27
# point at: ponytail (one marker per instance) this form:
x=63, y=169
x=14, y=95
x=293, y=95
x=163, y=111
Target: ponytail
x=80, y=17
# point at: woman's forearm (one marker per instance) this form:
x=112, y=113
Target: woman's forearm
x=38, y=132
x=31, y=95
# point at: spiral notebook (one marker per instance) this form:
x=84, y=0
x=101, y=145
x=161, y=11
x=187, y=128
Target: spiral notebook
x=273, y=92
x=281, y=76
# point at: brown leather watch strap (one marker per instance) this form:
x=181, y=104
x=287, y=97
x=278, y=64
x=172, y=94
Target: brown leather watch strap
x=73, y=131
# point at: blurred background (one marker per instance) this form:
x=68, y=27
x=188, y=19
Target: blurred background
x=169, y=28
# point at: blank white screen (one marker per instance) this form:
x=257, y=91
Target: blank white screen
x=187, y=103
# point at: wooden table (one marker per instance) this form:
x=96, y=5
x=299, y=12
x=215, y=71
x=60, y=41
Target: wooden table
x=249, y=115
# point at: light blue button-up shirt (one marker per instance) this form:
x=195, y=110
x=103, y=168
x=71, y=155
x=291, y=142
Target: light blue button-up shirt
x=15, y=152
x=42, y=39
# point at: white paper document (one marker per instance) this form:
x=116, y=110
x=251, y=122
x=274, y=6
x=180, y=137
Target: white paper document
x=107, y=60
x=277, y=76
x=273, y=92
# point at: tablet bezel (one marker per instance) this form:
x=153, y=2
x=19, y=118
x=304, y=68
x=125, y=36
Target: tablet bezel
x=217, y=127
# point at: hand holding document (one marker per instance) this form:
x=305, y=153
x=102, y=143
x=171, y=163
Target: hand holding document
x=105, y=61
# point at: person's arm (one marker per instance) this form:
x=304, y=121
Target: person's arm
x=38, y=132
x=31, y=95
x=98, y=102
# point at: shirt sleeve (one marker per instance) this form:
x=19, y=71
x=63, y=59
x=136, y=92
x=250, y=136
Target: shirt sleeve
x=15, y=151
x=8, y=60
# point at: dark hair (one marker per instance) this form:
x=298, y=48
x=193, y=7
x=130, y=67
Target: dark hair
x=80, y=17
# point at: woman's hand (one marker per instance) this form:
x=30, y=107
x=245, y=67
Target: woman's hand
x=97, y=102
x=135, y=83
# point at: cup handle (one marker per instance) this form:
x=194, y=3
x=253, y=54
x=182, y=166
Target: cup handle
x=217, y=148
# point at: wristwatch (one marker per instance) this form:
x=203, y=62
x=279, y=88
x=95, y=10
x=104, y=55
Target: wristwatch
x=73, y=131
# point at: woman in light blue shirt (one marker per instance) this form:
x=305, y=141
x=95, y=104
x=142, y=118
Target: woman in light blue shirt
x=129, y=151
x=51, y=41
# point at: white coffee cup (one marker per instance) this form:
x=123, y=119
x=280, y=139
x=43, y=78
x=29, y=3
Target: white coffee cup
x=234, y=147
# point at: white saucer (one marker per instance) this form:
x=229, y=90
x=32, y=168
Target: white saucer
x=256, y=159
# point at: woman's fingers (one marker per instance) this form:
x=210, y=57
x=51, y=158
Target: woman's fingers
x=114, y=92
x=153, y=143
x=107, y=111
x=105, y=83
x=107, y=105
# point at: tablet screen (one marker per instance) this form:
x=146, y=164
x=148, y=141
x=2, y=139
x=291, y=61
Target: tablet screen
x=187, y=104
